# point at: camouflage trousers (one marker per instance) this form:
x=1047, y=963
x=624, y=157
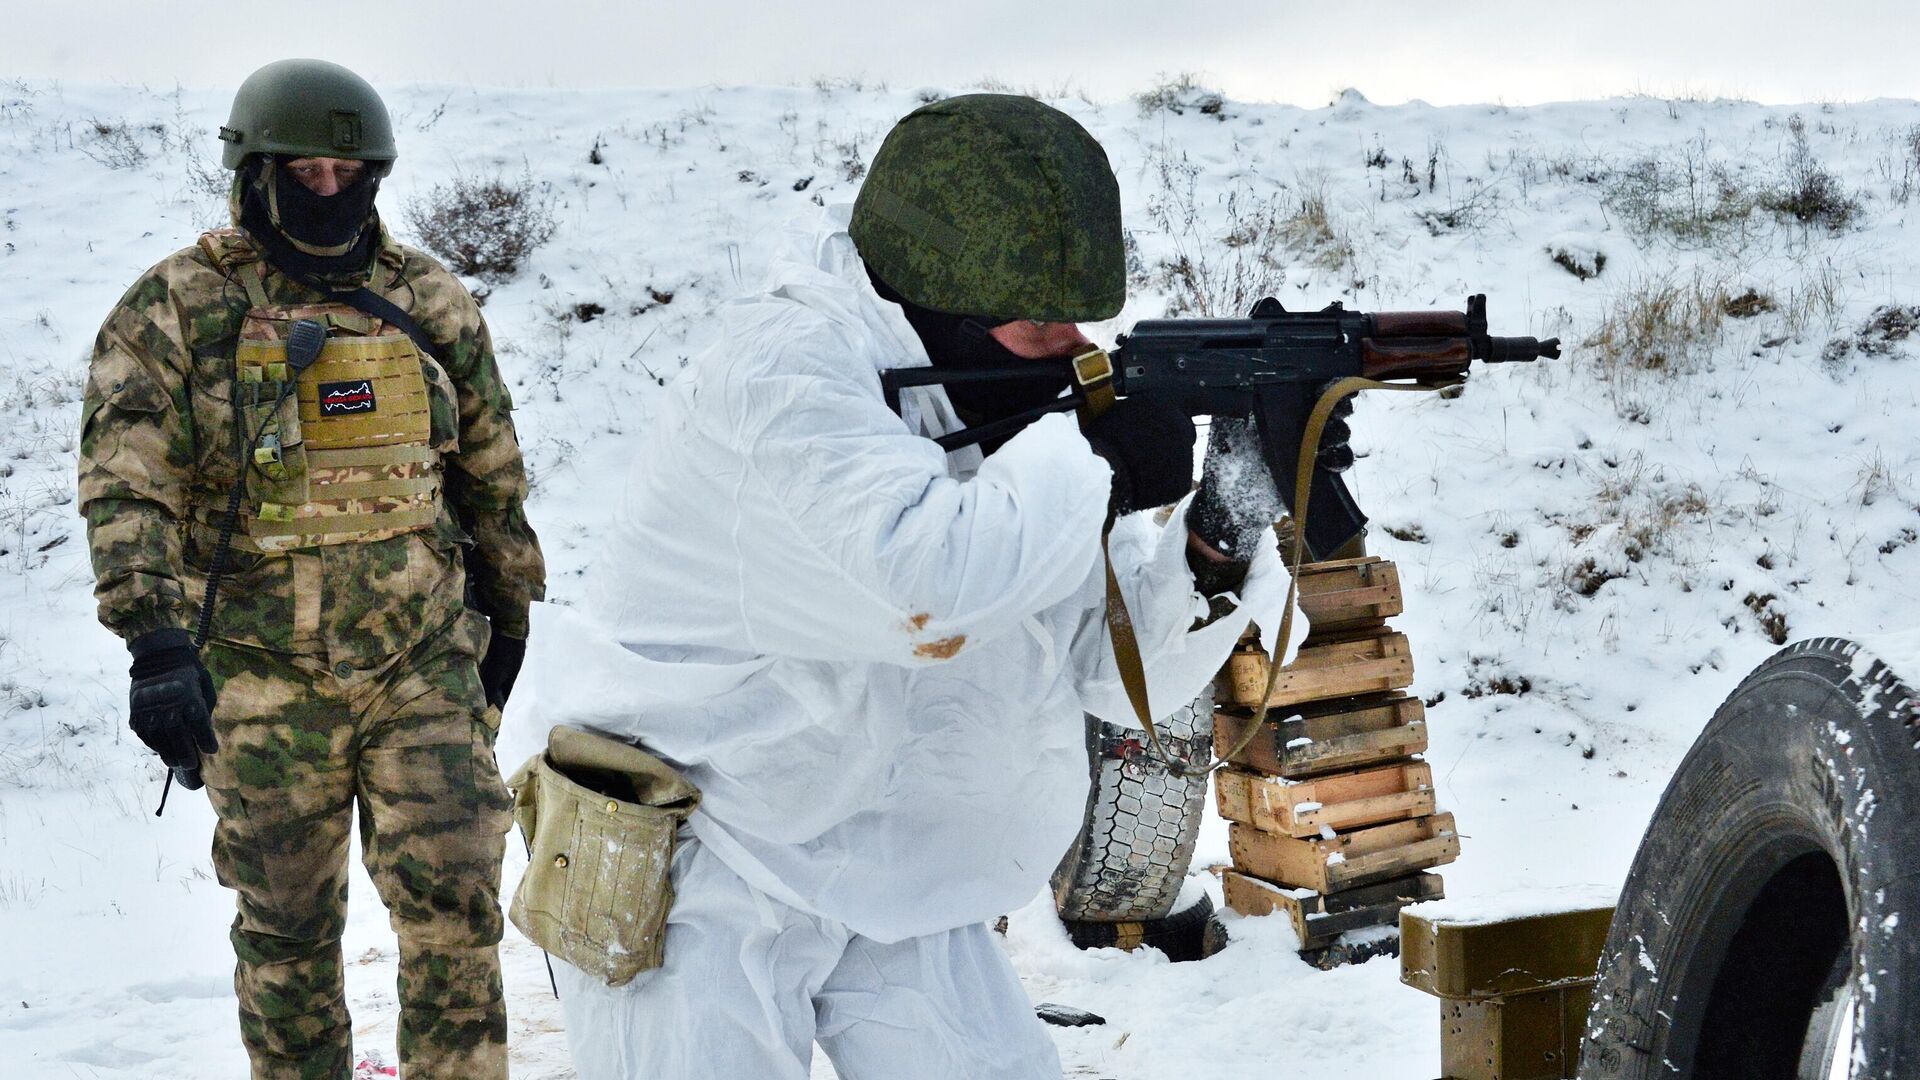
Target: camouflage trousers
x=410, y=741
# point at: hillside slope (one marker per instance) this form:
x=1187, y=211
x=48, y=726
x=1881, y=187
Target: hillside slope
x=1595, y=549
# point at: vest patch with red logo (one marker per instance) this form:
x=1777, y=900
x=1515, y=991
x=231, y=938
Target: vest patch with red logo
x=343, y=398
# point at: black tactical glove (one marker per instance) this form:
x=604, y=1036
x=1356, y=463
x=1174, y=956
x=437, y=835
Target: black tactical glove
x=501, y=666
x=171, y=702
x=1237, y=503
x=1335, y=454
x=1149, y=444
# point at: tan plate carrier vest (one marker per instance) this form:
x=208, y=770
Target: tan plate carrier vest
x=347, y=454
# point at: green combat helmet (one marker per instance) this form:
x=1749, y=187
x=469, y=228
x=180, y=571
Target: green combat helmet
x=308, y=108
x=997, y=206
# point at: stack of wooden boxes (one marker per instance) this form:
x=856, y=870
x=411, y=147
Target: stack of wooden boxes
x=1332, y=810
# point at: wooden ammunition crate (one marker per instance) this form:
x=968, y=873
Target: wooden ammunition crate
x=1319, y=920
x=1514, y=991
x=1465, y=957
x=1334, y=669
x=1349, y=593
x=1361, y=857
x=1316, y=807
x=1525, y=1037
x=1348, y=733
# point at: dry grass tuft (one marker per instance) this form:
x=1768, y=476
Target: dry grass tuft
x=1217, y=268
x=1665, y=327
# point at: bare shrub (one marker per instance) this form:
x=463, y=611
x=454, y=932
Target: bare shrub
x=483, y=228
x=204, y=178
x=1479, y=205
x=1683, y=195
x=207, y=182
x=1211, y=270
x=1901, y=168
x=116, y=143
x=1808, y=193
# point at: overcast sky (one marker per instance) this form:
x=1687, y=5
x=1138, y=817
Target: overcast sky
x=1281, y=50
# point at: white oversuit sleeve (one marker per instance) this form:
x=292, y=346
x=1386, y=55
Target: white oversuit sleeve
x=1150, y=562
x=858, y=545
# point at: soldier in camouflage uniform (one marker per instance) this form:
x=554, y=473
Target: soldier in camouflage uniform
x=375, y=605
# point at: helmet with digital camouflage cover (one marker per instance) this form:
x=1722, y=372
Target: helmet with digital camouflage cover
x=308, y=108
x=998, y=206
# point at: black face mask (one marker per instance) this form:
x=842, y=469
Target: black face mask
x=310, y=236
x=963, y=343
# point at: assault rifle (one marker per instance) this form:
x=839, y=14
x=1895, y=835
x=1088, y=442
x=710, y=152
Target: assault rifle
x=1274, y=366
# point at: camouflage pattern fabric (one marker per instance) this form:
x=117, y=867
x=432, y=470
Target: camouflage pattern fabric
x=409, y=739
x=347, y=672
x=368, y=472
x=158, y=453
x=995, y=205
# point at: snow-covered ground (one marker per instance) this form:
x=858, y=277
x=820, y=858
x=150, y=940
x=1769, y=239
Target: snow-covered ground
x=1595, y=549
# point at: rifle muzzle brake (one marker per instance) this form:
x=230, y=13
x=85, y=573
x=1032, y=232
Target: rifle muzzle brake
x=1507, y=350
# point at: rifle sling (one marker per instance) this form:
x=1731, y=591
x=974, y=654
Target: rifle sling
x=1126, y=644
x=372, y=303
x=362, y=299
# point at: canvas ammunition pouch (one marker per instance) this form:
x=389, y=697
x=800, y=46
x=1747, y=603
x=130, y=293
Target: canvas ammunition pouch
x=599, y=816
x=348, y=450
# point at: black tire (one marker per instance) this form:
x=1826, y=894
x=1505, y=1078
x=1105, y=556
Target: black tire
x=1191, y=934
x=1780, y=874
x=1132, y=854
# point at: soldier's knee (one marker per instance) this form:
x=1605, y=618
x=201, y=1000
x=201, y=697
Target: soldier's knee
x=447, y=890
x=475, y=926
x=281, y=925
x=319, y=942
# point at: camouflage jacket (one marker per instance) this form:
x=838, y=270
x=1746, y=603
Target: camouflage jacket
x=158, y=456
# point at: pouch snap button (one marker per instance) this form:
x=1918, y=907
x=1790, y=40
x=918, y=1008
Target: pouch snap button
x=560, y=861
x=343, y=670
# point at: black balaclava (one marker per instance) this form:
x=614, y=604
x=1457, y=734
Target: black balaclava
x=323, y=239
x=962, y=343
